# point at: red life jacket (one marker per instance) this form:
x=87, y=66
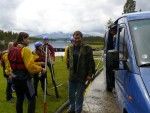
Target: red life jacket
x=41, y=56
x=15, y=58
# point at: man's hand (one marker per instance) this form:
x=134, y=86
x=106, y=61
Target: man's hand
x=43, y=71
x=89, y=78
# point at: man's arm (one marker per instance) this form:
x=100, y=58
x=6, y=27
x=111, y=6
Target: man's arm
x=7, y=64
x=28, y=59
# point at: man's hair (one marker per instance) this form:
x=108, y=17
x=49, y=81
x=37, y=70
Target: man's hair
x=78, y=33
x=21, y=36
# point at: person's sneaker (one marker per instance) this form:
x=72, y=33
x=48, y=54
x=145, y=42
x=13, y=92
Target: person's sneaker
x=70, y=111
x=13, y=90
x=10, y=100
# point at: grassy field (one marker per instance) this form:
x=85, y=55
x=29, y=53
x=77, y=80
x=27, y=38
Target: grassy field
x=61, y=77
x=97, y=47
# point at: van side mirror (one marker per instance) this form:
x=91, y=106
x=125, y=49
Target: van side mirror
x=126, y=64
x=112, y=59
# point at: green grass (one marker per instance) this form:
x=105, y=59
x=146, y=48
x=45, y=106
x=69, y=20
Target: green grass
x=61, y=77
x=97, y=47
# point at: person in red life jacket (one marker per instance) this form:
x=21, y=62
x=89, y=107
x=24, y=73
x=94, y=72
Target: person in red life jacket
x=51, y=53
x=7, y=72
x=23, y=67
x=39, y=56
x=50, y=47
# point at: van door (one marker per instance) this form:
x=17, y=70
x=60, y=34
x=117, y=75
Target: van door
x=123, y=74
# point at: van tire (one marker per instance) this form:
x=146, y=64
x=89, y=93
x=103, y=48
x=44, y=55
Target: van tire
x=125, y=111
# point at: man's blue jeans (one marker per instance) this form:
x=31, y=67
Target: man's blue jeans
x=76, y=95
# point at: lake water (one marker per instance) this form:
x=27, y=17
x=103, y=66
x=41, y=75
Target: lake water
x=55, y=44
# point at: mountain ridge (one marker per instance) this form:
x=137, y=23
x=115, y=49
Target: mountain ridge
x=55, y=35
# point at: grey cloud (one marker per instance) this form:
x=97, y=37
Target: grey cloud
x=8, y=13
x=88, y=16
x=143, y=5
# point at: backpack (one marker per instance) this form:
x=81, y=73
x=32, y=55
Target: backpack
x=19, y=71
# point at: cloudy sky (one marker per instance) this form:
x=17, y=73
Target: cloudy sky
x=46, y=16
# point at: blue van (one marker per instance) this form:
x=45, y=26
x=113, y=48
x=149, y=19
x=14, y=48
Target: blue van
x=127, y=61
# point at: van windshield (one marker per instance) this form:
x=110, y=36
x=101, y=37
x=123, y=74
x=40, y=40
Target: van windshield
x=140, y=31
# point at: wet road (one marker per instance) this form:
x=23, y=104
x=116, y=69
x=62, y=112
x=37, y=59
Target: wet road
x=98, y=100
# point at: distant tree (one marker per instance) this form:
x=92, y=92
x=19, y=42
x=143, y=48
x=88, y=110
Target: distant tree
x=7, y=35
x=129, y=6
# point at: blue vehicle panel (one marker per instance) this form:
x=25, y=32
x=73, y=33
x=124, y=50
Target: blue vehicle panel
x=145, y=72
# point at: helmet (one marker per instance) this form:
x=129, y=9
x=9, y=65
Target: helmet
x=71, y=38
x=38, y=44
x=45, y=37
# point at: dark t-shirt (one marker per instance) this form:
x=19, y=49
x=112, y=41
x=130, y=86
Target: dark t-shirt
x=75, y=57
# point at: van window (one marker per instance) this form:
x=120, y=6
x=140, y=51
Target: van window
x=140, y=31
x=123, y=50
x=121, y=42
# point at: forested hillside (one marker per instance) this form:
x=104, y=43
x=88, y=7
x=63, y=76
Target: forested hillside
x=7, y=35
